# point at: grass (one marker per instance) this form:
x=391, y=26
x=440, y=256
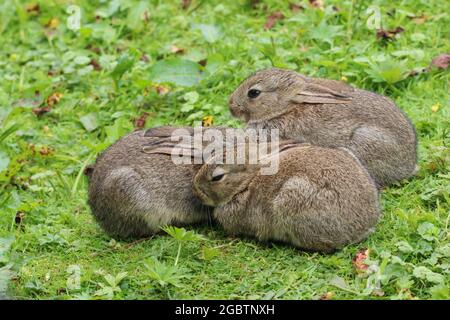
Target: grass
x=98, y=80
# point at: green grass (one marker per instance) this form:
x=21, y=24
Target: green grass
x=47, y=233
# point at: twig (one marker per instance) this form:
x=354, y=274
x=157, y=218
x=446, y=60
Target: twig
x=129, y=245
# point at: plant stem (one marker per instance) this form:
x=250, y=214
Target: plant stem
x=350, y=21
x=80, y=173
x=178, y=253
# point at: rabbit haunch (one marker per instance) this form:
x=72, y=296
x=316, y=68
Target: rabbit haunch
x=133, y=194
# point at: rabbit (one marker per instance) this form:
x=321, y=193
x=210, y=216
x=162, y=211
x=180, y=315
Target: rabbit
x=135, y=187
x=331, y=113
x=133, y=191
x=321, y=198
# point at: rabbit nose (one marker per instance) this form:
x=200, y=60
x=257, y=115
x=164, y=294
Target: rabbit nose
x=235, y=109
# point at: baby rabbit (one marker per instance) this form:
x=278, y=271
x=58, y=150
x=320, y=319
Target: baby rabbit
x=330, y=113
x=134, y=191
x=320, y=199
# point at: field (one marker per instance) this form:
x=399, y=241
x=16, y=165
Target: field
x=71, y=89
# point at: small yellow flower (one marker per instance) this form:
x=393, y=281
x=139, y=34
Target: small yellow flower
x=207, y=121
x=53, y=23
x=344, y=78
x=436, y=107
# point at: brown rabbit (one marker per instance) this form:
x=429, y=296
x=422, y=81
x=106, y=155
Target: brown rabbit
x=331, y=113
x=133, y=191
x=321, y=198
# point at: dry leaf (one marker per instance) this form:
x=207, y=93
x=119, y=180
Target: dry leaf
x=316, y=4
x=139, y=123
x=61, y=291
x=296, y=7
x=144, y=58
x=272, y=19
x=94, y=63
x=161, y=90
x=419, y=19
x=33, y=8
x=93, y=49
x=407, y=293
x=388, y=34
x=441, y=61
x=378, y=292
x=207, y=121
x=255, y=3
x=54, y=98
x=20, y=215
x=303, y=48
x=41, y=111
x=45, y=151
x=174, y=49
x=185, y=4
x=358, y=260
x=416, y=72
x=327, y=296
x=51, y=73
x=146, y=16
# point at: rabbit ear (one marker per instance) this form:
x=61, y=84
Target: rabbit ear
x=165, y=140
x=288, y=145
x=166, y=131
x=284, y=146
x=173, y=148
x=158, y=132
x=315, y=93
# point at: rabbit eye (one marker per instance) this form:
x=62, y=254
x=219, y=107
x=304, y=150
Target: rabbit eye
x=218, y=177
x=218, y=174
x=253, y=93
